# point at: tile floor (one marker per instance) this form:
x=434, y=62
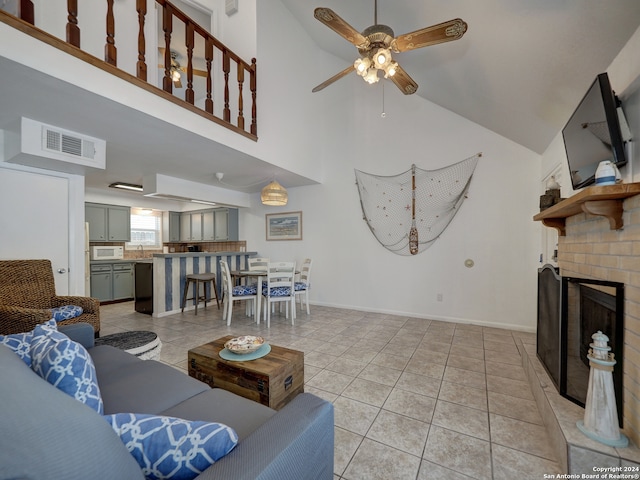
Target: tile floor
x=414, y=399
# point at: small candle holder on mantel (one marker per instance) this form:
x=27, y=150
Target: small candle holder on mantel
x=600, y=413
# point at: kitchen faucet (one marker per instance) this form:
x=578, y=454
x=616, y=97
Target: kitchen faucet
x=141, y=248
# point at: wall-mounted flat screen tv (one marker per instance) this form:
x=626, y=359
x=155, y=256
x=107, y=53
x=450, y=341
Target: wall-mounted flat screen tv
x=593, y=134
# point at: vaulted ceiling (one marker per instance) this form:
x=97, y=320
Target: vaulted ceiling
x=521, y=68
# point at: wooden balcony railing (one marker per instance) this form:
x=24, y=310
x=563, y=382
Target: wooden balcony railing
x=220, y=63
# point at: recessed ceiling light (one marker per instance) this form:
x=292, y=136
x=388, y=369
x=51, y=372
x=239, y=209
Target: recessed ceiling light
x=127, y=186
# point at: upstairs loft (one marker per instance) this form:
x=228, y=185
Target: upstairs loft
x=161, y=50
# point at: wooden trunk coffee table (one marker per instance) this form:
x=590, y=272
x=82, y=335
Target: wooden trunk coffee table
x=273, y=380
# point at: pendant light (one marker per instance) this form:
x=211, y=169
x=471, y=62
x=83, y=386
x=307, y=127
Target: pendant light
x=274, y=194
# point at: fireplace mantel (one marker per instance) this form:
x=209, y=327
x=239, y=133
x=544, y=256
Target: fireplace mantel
x=604, y=201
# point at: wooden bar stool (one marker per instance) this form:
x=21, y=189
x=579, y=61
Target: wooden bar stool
x=197, y=279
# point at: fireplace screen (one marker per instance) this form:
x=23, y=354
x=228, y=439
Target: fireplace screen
x=570, y=311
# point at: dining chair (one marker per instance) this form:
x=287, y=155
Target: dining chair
x=279, y=287
x=235, y=292
x=302, y=286
x=258, y=263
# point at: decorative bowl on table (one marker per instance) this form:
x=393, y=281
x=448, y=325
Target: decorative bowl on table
x=245, y=344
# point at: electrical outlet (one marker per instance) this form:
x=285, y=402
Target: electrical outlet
x=439, y=297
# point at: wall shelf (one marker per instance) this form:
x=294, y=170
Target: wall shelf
x=602, y=201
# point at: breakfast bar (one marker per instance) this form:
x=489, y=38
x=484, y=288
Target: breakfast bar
x=170, y=270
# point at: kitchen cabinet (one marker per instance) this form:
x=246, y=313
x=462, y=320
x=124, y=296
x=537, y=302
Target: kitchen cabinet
x=122, y=280
x=101, y=282
x=112, y=281
x=213, y=225
x=171, y=227
x=108, y=223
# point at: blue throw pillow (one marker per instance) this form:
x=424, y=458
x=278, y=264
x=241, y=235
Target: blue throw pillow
x=66, y=365
x=167, y=447
x=65, y=312
x=20, y=343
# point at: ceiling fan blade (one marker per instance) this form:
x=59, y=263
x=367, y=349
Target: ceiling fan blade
x=177, y=83
x=342, y=28
x=337, y=76
x=443, y=32
x=199, y=73
x=404, y=82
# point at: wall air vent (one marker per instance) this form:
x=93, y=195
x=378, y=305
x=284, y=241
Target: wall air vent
x=60, y=142
x=45, y=146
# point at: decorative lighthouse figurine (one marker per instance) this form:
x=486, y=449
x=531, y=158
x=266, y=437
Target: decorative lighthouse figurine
x=600, y=412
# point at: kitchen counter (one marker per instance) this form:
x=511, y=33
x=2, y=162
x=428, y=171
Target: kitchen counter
x=170, y=270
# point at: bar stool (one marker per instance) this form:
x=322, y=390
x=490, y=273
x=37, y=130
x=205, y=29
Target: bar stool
x=197, y=279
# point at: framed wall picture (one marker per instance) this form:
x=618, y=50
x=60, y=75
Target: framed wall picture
x=284, y=226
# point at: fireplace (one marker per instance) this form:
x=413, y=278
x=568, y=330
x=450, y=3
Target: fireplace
x=570, y=310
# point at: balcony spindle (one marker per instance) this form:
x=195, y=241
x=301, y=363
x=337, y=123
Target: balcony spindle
x=167, y=27
x=240, y=100
x=26, y=11
x=188, y=95
x=73, y=32
x=110, y=52
x=252, y=86
x=208, y=55
x=141, y=65
x=226, y=113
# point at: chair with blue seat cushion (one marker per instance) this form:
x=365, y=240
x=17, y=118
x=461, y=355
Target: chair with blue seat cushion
x=235, y=292
x=279, y=287
x=28, y=295
x=304, y=284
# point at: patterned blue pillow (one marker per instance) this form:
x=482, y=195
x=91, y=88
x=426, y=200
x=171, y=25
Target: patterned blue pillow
x=66, y=365
x=20, y=343
x=65, y=312
x=167, y=447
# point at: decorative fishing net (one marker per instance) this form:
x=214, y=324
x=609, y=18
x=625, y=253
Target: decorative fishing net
x=409, y=211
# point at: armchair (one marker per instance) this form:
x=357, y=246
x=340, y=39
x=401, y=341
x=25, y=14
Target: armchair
x=28, y=293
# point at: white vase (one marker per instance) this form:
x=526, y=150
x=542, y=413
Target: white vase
x=607, y=173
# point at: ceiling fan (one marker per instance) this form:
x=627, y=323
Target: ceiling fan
x=176, y=68
x=376, y=43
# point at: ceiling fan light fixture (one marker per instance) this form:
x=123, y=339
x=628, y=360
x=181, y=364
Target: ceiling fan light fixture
x=175, y=74
x=391, y=69
x=382, y=58
x=362, y=66
x=372, y=76
x=274, y=194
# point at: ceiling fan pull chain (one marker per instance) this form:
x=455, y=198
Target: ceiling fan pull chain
x=383, y=114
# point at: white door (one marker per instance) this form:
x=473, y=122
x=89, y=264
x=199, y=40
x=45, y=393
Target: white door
x=34, y=214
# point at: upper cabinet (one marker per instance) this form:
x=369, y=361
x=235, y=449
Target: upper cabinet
x=108, y=223
x=212, y=225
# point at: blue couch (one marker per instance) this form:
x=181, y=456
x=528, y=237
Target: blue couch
x=45, y=433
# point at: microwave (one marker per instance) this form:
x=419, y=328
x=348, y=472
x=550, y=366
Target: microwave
x=108, y=252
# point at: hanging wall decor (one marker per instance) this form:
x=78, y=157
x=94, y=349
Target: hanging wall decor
x=409, y=211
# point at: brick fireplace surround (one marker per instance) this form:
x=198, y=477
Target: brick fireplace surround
x=592, y=250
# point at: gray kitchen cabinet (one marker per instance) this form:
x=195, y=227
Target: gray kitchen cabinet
x=96, y=216
x=221, y=221
x=101, y=282
x=208, y=226
x=212, y=225
x=171, y=227
x=196, y=226
x=185, y=227
x=112, y=281
x=122, y=280
x=108, y=223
